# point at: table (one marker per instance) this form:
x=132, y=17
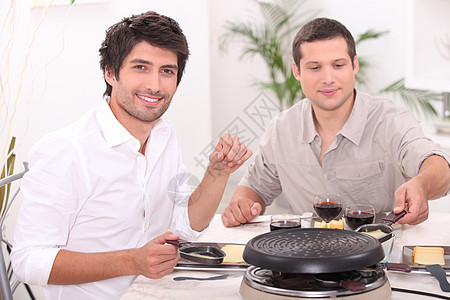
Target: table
x=434, y=231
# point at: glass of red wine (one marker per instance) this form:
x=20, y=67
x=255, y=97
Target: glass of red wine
x=284, y=221
x=327, y=206
x=359, y=214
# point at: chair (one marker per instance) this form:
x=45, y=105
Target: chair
x=6, y=288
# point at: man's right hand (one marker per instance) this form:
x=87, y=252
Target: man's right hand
x=240, y=211
x=156, y=259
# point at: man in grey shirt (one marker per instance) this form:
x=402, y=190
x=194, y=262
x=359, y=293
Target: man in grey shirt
x=340, y=141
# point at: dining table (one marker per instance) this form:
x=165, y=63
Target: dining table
x=435, y=231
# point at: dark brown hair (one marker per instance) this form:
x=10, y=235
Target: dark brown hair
x=151, y=27
x=322, y=29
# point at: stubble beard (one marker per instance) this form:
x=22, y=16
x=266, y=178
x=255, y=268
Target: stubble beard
x=147, y=114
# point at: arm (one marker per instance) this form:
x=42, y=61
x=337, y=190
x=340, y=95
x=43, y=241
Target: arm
x=432, y=182
x=228, y=156
x=153, y=260
x=244, y=207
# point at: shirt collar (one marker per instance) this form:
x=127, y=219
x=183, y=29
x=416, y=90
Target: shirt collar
x=353, y=129
x=114, y=132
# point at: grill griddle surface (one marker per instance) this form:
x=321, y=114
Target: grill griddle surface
x=313, y=250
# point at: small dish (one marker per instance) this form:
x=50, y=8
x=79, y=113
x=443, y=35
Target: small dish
x=407, y=258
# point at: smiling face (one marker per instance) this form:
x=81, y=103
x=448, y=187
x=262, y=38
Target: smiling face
x=145, y=86
x=327, y=74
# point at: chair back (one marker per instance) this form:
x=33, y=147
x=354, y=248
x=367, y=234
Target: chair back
x=6, y=287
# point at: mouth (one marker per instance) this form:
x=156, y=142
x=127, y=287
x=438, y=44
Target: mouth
x=149, y=99
x=328, y=92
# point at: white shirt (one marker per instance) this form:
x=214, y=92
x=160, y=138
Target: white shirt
x=90, y=190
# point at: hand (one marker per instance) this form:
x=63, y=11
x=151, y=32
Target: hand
x=229, y=155
x=413, y=195
x=240, y=211
x=157, y=259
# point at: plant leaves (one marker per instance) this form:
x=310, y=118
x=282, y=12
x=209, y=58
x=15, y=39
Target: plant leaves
x=7, y=170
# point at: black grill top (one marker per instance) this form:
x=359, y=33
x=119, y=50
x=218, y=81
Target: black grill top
x=313, y=250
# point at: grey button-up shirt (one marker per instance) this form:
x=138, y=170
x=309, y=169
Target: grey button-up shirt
x=380, y=147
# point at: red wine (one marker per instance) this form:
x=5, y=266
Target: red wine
x=327, y=211
x=356, y=219
x=284, y=225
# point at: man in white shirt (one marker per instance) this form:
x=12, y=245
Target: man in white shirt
x=104, y=195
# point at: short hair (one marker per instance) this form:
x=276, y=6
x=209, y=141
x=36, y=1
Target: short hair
x=322, y=29
x=151, y=27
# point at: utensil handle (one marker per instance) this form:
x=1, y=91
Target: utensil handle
x=392, y=217
x=398, y=267
x=177, y=243
x=440, y=275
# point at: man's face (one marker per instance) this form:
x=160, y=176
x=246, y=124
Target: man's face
x=146, y=84
x=326, y=73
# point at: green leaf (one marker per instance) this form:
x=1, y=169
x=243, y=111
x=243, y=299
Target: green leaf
x=7, y=170
x=271, y=40
x=418, y=100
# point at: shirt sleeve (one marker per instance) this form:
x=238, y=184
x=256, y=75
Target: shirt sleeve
x=262, y=175
x=183, y=187
x=47, y=211
x=411, y=144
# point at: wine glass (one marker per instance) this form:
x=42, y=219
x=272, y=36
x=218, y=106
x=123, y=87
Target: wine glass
x=284, y=221
x=327, y=206
x=359, y=214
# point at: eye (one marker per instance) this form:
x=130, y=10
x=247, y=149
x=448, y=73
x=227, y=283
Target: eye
x=314, y=68
x=168, y=71
x=140, y=67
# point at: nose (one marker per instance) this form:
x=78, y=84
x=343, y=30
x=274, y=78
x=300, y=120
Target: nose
x=328, y=75
x=152, y=82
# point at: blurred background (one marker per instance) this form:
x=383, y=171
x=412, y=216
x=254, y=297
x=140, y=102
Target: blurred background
x=50, y=75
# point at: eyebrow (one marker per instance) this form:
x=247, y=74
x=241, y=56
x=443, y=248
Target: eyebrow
x=316, y=62
x=146, y=62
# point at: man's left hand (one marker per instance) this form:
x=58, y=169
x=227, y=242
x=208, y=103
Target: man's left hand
x=229, y=155
x=412, y=197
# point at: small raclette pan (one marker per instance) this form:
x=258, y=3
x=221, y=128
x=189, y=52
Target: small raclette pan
x=203, y=254
x=384, y=225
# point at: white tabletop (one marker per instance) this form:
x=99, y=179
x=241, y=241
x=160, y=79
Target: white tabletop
x=434, y=231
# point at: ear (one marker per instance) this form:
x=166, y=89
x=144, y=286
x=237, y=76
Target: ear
x=296, y=71
x=355, y=65
x=110, y=77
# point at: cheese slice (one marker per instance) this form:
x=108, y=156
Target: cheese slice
x=334, y=224
x=378, y=234
x=233, y=254
x=428, y=255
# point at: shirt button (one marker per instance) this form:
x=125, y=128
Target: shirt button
x=329, y=176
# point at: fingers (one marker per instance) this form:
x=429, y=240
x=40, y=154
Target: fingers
x=400, y=196
x=231, y=151
x=165, y=237
x=408, y=197
x=157, y=259
x=240, y=211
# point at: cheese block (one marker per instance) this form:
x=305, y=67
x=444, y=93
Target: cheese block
x=233, y=254
x=334, y=224
x=428, y=255
x=378, y=234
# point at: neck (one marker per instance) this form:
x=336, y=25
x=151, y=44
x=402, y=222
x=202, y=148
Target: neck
x=330, y=122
